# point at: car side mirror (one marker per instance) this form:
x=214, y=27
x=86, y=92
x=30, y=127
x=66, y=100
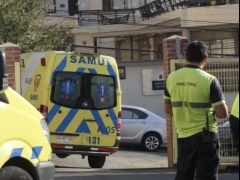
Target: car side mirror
x=3, y=72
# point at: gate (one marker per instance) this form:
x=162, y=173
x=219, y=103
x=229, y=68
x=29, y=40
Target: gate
x=226, y=70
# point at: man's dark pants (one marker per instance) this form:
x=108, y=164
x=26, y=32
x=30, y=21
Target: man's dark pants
x=197, y=159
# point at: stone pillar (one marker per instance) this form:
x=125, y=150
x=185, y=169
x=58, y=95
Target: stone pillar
x=12, y=53
x=169, y=52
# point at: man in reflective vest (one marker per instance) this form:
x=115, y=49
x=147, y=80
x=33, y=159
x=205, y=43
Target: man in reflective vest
x=192, y=96
x=234, y=122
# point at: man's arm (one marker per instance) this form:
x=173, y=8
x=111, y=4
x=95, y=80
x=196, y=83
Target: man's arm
x=221, y=111
x=218, y=100
x=167, y=102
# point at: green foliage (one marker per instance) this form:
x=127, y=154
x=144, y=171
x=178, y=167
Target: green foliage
x=23, y=22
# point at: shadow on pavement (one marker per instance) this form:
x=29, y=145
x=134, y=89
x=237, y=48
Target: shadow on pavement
x=128, y=147
x=127, y=175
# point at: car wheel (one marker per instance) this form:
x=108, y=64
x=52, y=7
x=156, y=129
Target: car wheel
x=96, y=161
x=151, y=142
x=14, y=173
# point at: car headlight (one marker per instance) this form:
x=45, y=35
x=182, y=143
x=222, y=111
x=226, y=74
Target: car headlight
x=45, y=129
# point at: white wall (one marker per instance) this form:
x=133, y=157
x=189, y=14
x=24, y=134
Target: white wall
x=132, y=88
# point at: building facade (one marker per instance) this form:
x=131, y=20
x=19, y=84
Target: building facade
x=133, y=31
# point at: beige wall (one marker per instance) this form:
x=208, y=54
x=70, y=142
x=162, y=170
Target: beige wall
x=95, y=5
x=108, y=43
x=210, y=35
x=210, y=16
x=199, y=16
x=79, y=39
x=142, y=44
x=213, y=35
x=125, y=44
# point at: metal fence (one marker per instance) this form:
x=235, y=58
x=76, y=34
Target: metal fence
x=121, y=54
x=128, y=54
x=226, y=70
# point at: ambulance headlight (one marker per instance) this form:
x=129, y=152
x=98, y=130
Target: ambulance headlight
x=45, y=129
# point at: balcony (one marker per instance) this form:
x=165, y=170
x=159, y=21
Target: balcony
x=132, y=12
x=159, y=7
x=106, y=17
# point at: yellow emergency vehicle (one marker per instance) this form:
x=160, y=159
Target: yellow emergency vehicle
x=25, y=150
x=80, y=96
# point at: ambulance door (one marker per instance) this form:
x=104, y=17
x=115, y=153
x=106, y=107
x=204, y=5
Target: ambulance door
x=101, y=114
x=65, y=118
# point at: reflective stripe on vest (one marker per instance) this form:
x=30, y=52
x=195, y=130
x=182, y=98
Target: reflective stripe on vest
x=178, y=104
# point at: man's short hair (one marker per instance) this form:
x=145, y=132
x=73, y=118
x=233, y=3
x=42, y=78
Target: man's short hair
x=196, y=51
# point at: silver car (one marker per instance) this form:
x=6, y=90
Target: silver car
x=142, y=127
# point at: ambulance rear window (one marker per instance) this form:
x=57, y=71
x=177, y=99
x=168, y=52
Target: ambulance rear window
x=76, y=90
x=103, y=92
x=66, y=88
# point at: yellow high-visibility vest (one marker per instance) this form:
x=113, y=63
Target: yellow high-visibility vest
x=235, y=107
x=189, y=89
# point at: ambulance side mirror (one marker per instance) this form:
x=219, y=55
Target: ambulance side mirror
x=3, y=72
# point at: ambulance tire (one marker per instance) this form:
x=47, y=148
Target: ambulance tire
x=14, y=173
x=62, y=156
x=96, y=161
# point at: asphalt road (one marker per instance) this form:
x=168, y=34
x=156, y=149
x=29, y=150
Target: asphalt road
x=141, y=174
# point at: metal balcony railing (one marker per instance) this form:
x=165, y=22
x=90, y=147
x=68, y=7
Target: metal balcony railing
x=109, y=17
x=133, y=11
x=159, y=7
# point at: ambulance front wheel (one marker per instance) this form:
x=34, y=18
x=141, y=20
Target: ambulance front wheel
x=96, y=161
x=14, y=173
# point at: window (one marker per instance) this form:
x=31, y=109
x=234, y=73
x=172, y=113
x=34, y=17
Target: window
x=145, y=53
x=102, y=92
x=221, y=48
x=128, y=113
x=71, y=89
x=67, y=88
x=122, y=72
x=159, y=54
